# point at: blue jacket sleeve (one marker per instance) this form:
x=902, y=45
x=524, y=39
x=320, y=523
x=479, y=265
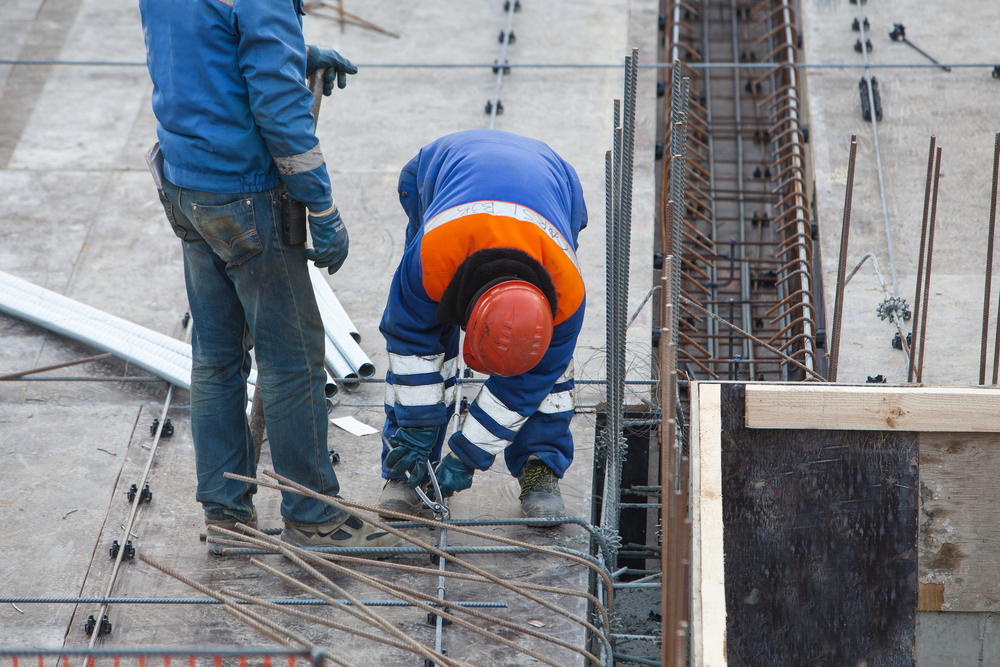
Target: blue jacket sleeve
x=272, y=61
x=420, y=384
x=504, y=404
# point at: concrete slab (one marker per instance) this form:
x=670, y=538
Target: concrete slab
x=81, y=217
x=957, y=107
x=51, y=513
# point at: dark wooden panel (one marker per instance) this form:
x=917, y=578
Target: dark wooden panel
x=820, y=537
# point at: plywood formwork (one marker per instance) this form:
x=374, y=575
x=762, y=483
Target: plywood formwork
x=947, y=435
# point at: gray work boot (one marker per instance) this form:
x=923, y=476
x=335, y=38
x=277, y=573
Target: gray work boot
x=351, y=532
x=399, y=497
x=540, y=497
x=223, y=520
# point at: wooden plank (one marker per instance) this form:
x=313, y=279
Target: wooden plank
x=873, y=408
x=694, y=454
x=819, y=535
x=712, y=580
x=959, y=535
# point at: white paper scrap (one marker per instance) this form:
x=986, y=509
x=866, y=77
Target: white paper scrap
x=353, y=426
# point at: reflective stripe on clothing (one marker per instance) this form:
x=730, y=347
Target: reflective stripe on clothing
x=499, y=412
x=481, y=437
x=559, y=401
x=413, y=365
x=505, y=210
x=301, y=163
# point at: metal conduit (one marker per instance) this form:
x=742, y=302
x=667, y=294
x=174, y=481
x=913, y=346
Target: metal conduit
x=326, y=294
x=343, y=343
x=60, y=311
x=92, y=327
x=161, y=355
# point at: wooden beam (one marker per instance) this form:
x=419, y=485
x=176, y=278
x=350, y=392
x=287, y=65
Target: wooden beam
x=872, y=408
x=709, y=604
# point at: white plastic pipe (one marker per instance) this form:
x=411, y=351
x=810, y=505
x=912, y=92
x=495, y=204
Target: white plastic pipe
x=325, y=294
x=341, y=339
x=92, y=327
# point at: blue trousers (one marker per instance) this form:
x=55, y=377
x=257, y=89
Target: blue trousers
x=246, y=289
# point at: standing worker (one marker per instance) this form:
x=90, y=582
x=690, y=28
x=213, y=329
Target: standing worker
x=491, y=249
x=237, y=156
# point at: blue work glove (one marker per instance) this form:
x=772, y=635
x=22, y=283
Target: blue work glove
x=453, y=475
x=336, y=66
x=330, y=241
x=410, y=449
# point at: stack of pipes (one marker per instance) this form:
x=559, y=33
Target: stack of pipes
x=168, y=357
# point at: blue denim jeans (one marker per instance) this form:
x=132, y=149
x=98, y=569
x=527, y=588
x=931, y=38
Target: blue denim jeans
x=246, y=289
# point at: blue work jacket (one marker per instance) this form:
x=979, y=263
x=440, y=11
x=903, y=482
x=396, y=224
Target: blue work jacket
x=463, y=193
x=229, y=94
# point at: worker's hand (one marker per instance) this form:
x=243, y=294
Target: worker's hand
x=336, y=66
x=330, y=241
x=410, y=449
x=453, y=475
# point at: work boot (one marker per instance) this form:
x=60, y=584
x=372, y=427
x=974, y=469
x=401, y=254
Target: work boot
x=540, y=497
x=227, y=521
x=399, y=497
x=351, y=532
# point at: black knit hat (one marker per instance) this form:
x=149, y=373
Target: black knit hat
x=483, y=269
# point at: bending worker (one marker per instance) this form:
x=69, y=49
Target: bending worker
x=490, y=248
x=235, y=137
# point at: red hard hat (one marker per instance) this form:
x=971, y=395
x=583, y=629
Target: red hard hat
x=509, y=330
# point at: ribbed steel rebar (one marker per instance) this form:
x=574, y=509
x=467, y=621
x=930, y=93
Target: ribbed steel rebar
x=838, y=306
x=989, y=260
x=277, y=601
x=930, y=258
x=928, y=187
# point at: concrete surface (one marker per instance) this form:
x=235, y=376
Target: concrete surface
x=80, y=216
x=959, y=107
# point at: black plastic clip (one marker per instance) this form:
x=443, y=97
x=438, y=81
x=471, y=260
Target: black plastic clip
x=105, y=628
x=489, y=107
x=661, y=88
x=432, y=618
x=751, y=86
x=898, y=31
x=866, y=103
x=878, y=379
x=185, y=320
x=467, y=373
x=897, y=342
x=506, y=66
x=856, y=26
x=463, y=406
x=129, y=550
x=517, y=6
x=145, y=495
x=867, y=46
x=996, y=72
x=334, y=457
x=430, y=663
x=511, y=37
x=168, y=428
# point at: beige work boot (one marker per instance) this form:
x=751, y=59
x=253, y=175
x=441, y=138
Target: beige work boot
x=399, y=497
x=351, y=532
x=223, y=520
x=540, y=496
